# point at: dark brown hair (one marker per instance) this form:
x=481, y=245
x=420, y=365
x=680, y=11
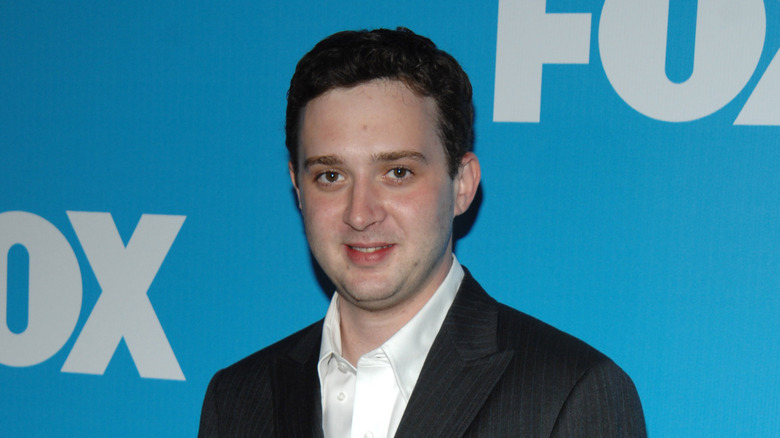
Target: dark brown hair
x=350, y=58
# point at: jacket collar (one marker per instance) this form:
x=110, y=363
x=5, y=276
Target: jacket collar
x=296, y=388
x=461, y=369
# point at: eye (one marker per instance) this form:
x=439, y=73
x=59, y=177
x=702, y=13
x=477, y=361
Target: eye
x=399, y=172
x=329, y=177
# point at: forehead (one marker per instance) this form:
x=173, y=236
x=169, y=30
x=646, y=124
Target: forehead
x=370, y=116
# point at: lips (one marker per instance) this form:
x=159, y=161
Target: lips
x=368, y=254
x=369, y=250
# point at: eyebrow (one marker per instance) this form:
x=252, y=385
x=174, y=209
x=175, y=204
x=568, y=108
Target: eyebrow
x=335, y=160
x=324, y=160
x=399, y=155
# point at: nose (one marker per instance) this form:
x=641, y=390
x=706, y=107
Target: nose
x=364, y=207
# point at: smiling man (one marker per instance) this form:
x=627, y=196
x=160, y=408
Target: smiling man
x=379, y=132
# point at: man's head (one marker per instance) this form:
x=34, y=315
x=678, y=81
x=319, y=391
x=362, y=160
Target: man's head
x=349, y=58
x=377, y=184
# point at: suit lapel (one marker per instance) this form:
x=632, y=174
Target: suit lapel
x=461, y=369
x=297, y=403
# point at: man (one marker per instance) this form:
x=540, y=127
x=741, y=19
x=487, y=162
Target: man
x=379, y=132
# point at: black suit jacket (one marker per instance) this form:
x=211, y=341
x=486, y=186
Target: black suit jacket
x=492, y=372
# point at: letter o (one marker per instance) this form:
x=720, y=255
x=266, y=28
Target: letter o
x=632, y=43
x=55, y=289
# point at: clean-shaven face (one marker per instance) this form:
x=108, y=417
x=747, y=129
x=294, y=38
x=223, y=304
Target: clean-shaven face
x=375, y=194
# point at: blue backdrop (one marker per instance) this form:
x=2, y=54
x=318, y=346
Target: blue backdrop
x=149, y=234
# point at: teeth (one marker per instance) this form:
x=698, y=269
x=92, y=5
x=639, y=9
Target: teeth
x=370, y=250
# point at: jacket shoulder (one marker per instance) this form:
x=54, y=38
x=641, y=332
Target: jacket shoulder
x=298, y=346
x=239, y=399
x=530, y=336
x=556, y=384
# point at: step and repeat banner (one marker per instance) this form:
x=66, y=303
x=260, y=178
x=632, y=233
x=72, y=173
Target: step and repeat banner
x=149, y=234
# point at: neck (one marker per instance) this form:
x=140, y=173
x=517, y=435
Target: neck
x=364, y=330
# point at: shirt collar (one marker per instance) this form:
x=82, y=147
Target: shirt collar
x=406, y=349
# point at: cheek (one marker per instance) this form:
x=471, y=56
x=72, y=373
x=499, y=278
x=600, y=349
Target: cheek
x=429, y=208
x=318, y=214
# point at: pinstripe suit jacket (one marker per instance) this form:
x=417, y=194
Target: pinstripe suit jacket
x=491, y=372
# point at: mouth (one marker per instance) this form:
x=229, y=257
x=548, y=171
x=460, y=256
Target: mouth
x=368, y=249
x=370, y=254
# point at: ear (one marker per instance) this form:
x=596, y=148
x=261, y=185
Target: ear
x=294, y=183
x=466, y=182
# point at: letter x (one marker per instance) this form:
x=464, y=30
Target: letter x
x=123, y=309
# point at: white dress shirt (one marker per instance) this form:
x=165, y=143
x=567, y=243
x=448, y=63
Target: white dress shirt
x=369, y=401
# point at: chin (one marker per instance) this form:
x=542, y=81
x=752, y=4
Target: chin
x=369, y=298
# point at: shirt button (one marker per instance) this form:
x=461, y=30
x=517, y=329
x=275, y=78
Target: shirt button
x=341, y=396
x=368, y=435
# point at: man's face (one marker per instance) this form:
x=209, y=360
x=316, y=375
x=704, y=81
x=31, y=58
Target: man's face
x=376, y=198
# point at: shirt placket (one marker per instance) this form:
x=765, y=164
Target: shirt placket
x=375, y=395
